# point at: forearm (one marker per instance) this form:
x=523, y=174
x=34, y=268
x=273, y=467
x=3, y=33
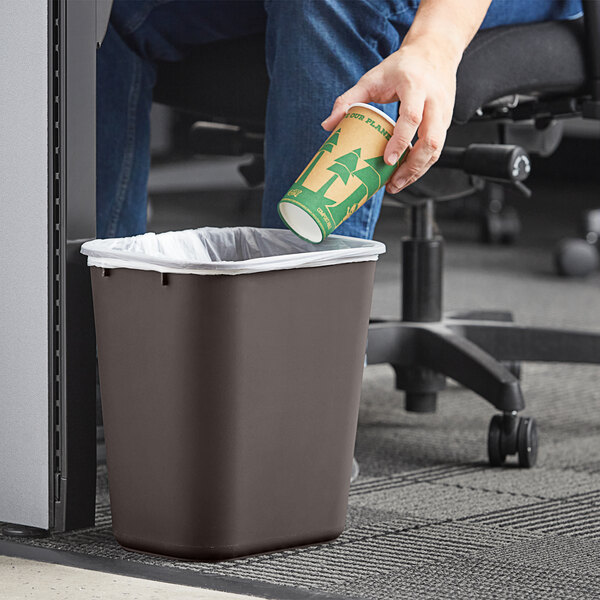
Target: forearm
x=447, y=24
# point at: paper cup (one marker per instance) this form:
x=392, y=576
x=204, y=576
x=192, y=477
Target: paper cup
x=346, y=171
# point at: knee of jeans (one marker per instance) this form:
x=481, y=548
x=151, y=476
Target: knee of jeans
x=325, y=15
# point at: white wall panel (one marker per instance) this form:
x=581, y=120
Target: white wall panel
x=24, y=404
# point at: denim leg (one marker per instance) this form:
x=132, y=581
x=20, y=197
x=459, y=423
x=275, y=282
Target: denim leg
x=315, y=51
x=511, y=12
x=140, y=33
x=168, y=29
x=507, y=12
x=123, y=100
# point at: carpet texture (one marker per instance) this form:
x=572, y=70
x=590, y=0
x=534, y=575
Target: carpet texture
x=428, y=518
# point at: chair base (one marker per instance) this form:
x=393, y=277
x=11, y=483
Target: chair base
x=481, y=351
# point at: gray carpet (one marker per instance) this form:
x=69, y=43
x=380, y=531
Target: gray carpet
x=427, y=517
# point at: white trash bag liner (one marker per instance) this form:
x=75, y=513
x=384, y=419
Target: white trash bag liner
x=226, y=251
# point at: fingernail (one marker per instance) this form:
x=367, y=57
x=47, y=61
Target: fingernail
x=401, y=183
x=392, y=189
x=392, y=159
x=323, y=123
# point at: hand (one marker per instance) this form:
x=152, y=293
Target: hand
x=422, y=77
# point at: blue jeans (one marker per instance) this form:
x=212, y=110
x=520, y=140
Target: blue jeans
x=337, y=39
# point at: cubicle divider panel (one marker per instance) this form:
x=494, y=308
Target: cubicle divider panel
x=24, y=322
x=47, y=204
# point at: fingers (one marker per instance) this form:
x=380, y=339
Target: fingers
x=358, y=93
x=410, y=116
x=432, y=134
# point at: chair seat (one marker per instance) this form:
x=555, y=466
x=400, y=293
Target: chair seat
x=228, y=80
x=224, y=81
x=533, y=59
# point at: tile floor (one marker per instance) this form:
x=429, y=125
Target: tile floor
x=31, y=580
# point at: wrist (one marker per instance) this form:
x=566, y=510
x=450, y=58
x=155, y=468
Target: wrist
x=446, y=26
x=436, y=48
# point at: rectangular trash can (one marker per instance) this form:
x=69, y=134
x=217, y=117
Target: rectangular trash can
x=230, y=401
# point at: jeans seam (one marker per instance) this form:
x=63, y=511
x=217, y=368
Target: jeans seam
x=128, y=155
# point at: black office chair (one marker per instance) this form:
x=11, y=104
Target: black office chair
x=548, y=71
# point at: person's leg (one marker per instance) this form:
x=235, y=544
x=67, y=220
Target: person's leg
x=123, y=99
x=315, y=51
x=508, y=12
x=514, y=12
x=140, y=33
x=169, y=29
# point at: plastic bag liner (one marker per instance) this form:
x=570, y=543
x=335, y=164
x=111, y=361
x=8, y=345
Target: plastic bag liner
x=226, y=251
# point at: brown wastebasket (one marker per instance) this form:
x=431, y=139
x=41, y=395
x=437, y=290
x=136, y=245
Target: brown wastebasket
x=230, y=402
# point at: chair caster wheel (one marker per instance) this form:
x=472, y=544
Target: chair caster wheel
x=574, y=257
x=495, y=451
x=509, y=434
x=527, y=442
x=501, y=227
x=514, y=366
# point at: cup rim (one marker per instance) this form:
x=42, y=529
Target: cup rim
x=301, y=232
x=374, y=109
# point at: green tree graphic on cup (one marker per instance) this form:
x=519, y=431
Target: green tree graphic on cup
x=371, y=180
x=343, y=168
x=360, y=179
x=328, y=146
